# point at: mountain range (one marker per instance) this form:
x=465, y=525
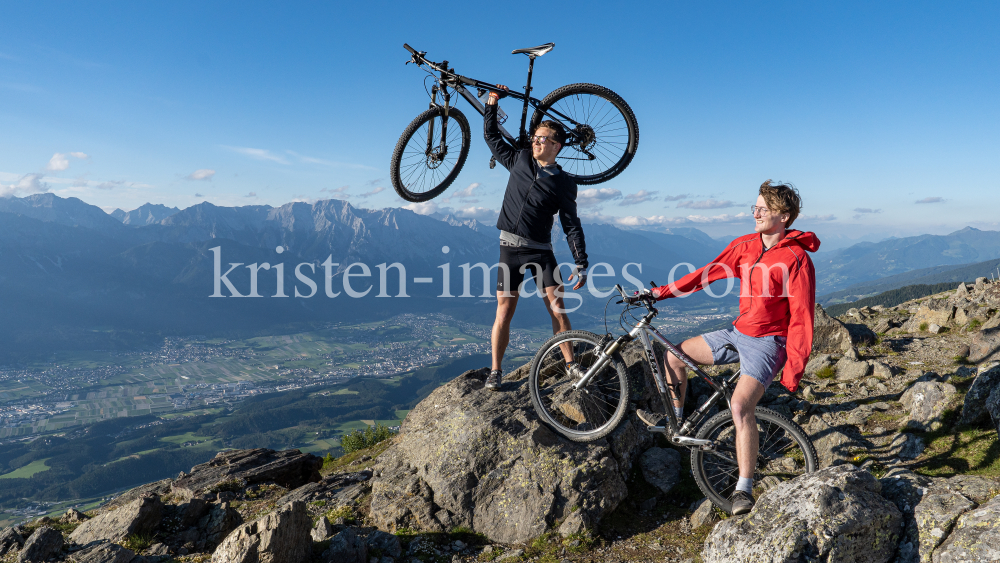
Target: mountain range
x=75, y=277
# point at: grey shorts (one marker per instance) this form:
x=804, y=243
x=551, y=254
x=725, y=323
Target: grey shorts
x=760, y=357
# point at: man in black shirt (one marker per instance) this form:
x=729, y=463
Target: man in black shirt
x=537, y=190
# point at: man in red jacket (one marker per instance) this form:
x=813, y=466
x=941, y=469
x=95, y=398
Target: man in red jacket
x=774, y=328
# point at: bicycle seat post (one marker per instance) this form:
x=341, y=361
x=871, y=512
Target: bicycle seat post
x=527, y=96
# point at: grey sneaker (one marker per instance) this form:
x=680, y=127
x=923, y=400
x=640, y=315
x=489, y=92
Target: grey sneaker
x=493, y=380
x=575, y=371
x=652, y=419
x=742, y=502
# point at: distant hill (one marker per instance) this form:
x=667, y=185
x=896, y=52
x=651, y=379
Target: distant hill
x=868, y=261
x=924, y=276
x=891, y=298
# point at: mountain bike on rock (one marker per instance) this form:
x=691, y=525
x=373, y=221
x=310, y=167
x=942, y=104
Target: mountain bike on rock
x=602, y=133
x=590, y=407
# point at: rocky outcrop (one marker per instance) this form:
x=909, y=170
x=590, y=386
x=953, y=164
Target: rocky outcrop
x=993, y=407
x=985, y=345
x=833, y=447
x=103, y=553
x=141, y=516
x=976, y=536
x=279, y=537
x=974, y=405
x=934, y=311
x=835, y=514
x=341, y=489
x=346, y=547
x=10, y=540
x=43, y=544
x=935, y=516
x=849, y=369
x=469, y=457
x=703, y=513
x=831, y=335
x=384, y=543
x=661, y=467
x=240, y=468
x=925, y=401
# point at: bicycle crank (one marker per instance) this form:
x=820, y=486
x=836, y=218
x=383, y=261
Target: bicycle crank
x=700, y=443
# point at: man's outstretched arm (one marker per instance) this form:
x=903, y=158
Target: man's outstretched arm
x=724, y=266
x=501, y=149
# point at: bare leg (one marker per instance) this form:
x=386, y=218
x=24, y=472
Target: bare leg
x=560, y=320
x=697, y=349
x=748, y=393
x=506, y=304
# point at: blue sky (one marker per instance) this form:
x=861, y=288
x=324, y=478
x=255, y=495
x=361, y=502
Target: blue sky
x=867, y=107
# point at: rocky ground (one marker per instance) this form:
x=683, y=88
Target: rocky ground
x=901, y=404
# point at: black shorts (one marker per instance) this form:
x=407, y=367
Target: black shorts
x=542, y=264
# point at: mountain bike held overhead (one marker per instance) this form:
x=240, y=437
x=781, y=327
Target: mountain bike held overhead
x=601, y=132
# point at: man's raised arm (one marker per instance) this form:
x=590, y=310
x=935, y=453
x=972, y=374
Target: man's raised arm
x=501, y=149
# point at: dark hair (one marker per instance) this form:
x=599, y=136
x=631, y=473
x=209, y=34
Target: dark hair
x=558, y=131
x=782, y=198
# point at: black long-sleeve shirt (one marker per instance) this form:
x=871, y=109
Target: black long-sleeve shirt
x=532, y=199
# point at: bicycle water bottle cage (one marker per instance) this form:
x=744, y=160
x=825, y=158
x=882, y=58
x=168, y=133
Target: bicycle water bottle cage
x=534, y=51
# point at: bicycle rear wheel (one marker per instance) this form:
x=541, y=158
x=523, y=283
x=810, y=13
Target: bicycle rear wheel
x=603, y=132
x=581, y=415
x=785, y=453
x=429, y=154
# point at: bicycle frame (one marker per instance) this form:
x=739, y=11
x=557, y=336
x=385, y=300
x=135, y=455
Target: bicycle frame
x=449, y=79
x=645, y=332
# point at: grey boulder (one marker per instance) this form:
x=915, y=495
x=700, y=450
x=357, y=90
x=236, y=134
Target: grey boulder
x=985, y=344
x=346, y=547
x=935, y=515
x=925, y=401
x=975, y=537
x=385, y=543
x=103, y=553
x=10, y=540
x=702, y=513
x=44, y=543
x=141, y=516
x=661, y=467
x=835, y=514
x=974, y=407
x=833, y=447
x=289, y=468
x=279, y=537
x=336, y=490
x=470, y=457
x=849, y=370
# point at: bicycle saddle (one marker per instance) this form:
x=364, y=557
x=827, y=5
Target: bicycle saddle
x=535, y=51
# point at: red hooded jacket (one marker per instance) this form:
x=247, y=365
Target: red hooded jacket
x=777, y=292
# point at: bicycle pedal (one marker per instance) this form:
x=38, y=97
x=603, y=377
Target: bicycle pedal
x=493, y=162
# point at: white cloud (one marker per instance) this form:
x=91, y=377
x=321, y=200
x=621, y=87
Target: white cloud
x=817, y=218
x=930, y=200
x=251, y=194
x=422, y=208
x=59, y=162
x=641, y=196
x=374, y=191
x=109, y=185
x=467, y=192
x=340, y=193
x=866, y=210
x=675, y=197
x=198, y=195
x=478, y=213
x=594, y=196
x=706, y=204
x=259, y=154
x=201, y=174
x=313, y=160
x=29, y=183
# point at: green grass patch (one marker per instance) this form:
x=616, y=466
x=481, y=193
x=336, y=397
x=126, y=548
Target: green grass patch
x=335, y=465
x=923, y=327
x=32, y=468
x=974, y=324
x=972, y=451
x=826, y=372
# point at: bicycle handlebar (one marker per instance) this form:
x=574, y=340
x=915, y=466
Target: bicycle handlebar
x=410, y=49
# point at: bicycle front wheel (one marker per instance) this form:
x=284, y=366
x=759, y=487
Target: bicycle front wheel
x=603, y=132
x=785, y=453
x=430, y=154
x=581, y=415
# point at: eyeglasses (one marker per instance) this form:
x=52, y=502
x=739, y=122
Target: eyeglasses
x=763, y=211
x=540, y=139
